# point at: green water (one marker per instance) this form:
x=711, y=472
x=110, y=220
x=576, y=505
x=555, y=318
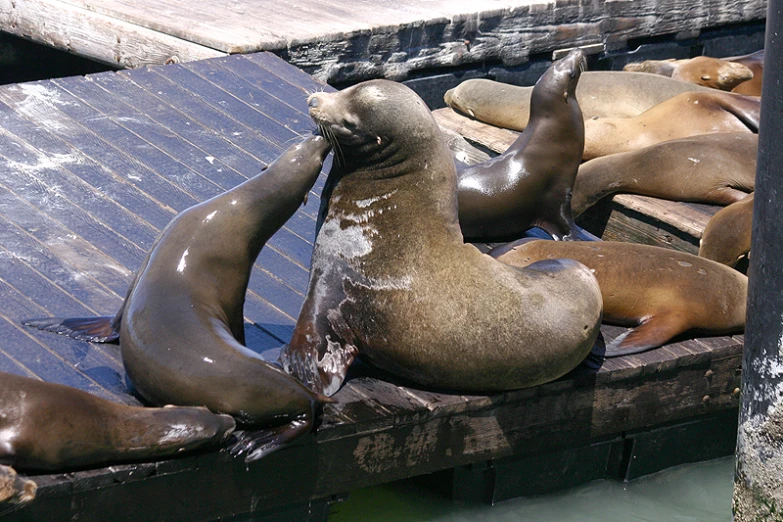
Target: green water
x=690, y=493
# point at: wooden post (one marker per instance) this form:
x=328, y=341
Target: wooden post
x=758, y=482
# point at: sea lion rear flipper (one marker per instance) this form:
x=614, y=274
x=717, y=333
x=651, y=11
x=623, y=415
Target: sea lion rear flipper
x=650, y=334
x=100, y=329
x=257, y=444
x=15, y=489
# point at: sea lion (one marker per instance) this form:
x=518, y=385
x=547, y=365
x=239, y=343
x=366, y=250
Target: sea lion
x=604, y=94
x=754, y=62
x=181, y=327
x=664, y=291
x=47, y=426
x=15, y=489
x=530, y=184
x=684, y=115
x=726, y=238
x=709, y=168
x=392, y=278
x=714, y=73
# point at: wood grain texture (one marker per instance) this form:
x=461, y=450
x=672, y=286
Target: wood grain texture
x=352, y=40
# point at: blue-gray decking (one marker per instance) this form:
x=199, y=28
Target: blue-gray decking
x=94, y=167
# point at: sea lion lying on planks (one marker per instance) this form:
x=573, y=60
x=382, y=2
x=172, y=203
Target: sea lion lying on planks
x=181, y=327
x=726, y=238
x=754, y=62
x=684, y=115
x=603, y=94
x=530, y=184
x=663, y=291
x=709, y=168
x=47, y=426
x=715, y=73
x=393, y=280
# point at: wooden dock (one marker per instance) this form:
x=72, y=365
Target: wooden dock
x=351, y=40
x=94, y=167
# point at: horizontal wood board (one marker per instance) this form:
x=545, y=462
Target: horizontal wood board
x=356, y=38
x=94, y=167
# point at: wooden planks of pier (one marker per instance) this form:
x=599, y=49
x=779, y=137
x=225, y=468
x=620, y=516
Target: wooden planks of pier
x=351, y=40
x=94, y=167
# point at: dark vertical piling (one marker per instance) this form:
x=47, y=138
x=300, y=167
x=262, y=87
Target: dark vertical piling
x=758, y=483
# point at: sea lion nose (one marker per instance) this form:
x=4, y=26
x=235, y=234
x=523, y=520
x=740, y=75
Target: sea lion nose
x=313, y=102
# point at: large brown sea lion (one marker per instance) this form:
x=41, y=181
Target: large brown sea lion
x=709, y=168
x=181, y=326
x=47, y=426
x=664, y=291
x=530, y=184
x=726, y=238
x=754, y=62
x=714, y=73
x=684, y=115
x=392, y=279
x=604, y=94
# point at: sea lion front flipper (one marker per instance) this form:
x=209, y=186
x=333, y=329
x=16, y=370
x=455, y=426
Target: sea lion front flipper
x=652, y=333
x=257, y=444
x=99, y=329
x=15, y=489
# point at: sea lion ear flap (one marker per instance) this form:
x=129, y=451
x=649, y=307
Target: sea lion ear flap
x=100, y=329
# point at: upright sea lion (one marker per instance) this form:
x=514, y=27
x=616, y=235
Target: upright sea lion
x=726, y=238
x=47, y=426
x=181, y=326
x=392, y=279
x=15, y=489
x=604, y=94
x=530, y=184
x=714, y=73
x=709, y=168
x=664, y=291
x=684, y=115
x=754, y=62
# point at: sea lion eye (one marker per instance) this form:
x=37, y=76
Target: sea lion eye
x=706, y=77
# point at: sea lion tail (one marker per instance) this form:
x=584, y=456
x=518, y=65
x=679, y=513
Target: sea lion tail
x=652, y=333
x=100, y=329
x=254, y=445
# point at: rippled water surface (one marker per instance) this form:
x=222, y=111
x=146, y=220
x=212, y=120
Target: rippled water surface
x=690, y=493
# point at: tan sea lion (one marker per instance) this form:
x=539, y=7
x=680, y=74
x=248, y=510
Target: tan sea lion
x=715, y=73
x=47, y=426
x=603, y=94
x=709, y=168
x=392, y=278
x=754, y=62
x=15, y=489
x=664, y=291
x=181, y=327
x=726, y=238
x=684, y=115
x=530, y=184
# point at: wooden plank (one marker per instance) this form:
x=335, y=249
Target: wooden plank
x=679, y=215
x=494, y=138
x=102, y=38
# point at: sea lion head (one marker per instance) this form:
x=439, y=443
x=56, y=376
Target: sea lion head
x=560, y=80
x=377, y=126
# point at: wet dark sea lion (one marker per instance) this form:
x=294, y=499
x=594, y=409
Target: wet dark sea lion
x=726, y=238
x=664, y=291
x=530, y=184
x=181, y=326
x=709, y=168
x=604, y=94
x=392, y=279
x=47, y=426
x=15, y=489
x=684, y=115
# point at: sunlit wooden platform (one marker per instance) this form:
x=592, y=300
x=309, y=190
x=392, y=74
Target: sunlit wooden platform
x=348, y=40
x=93, y=168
